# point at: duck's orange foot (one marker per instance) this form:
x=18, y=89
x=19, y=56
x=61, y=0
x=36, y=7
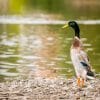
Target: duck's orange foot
x=80, y=82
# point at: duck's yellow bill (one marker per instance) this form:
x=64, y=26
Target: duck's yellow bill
x=65, y=26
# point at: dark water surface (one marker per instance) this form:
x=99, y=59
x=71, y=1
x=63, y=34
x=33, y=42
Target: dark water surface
x=44, y=50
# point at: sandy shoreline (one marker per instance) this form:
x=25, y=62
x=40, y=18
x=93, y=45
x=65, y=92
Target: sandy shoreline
x=49, y=89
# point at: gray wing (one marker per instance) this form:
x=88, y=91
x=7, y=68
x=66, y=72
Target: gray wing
x=84, y=60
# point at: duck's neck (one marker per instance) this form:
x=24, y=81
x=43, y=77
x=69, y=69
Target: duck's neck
x=77, y=32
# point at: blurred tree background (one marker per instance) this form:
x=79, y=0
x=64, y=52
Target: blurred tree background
x=61, y=9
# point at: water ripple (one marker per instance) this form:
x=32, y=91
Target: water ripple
x=28, y=20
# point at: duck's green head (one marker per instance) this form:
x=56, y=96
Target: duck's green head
x=75, y=26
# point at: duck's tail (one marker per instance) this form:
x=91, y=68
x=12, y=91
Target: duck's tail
x=90, y=75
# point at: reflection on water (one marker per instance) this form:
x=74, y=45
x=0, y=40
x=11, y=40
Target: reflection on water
x=32, y=42
x=43, y=50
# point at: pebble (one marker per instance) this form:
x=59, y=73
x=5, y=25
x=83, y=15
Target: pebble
x=49, y=89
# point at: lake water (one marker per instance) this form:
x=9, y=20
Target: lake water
x=33, y=44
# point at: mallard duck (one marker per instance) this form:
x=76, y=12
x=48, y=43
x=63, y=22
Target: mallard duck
x=79, y=57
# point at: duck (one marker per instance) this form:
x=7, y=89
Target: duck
x=79, y=57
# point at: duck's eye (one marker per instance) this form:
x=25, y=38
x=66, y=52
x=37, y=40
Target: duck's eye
x=72, y=24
